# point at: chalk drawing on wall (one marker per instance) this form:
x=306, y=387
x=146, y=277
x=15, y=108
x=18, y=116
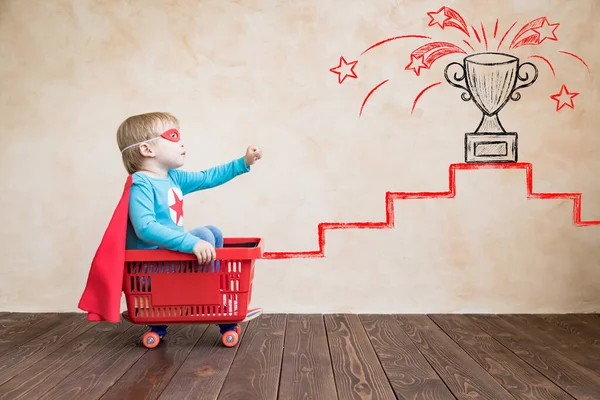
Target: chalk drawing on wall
x=564, y=98
x=344, y=69
x=489, y=78
x=392, y=197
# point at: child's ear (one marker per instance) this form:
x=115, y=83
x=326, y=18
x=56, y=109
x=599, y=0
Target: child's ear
x=146, y=150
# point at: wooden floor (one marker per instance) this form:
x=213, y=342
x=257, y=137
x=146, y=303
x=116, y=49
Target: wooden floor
x=61, y=356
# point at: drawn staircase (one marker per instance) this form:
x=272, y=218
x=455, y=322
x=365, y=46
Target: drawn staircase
x=390, y=197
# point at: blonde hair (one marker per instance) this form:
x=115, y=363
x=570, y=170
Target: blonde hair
x=139, y=128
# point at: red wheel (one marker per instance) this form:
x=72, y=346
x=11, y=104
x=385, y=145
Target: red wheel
x=230, y=338
x=150, y=340
x=238, y=329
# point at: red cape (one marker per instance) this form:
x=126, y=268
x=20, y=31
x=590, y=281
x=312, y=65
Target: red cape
x=102, y=295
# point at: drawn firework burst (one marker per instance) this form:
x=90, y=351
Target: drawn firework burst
x=533, y=33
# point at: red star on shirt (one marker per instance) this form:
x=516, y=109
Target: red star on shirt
x=177, y=207
x=564, y=98
x=344, y=67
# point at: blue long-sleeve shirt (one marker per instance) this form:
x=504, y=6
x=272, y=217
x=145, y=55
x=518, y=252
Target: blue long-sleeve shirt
x=156, y=205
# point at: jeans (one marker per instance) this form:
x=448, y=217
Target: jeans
x=212, y=235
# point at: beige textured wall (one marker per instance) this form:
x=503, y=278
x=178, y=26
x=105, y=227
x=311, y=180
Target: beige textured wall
x=257, y=71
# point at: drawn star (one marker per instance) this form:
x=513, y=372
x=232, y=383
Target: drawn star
x=438, y=17
x=177, y=207
x=564, y=98
x=546, y=31
x=416, y=63
x=345, y=68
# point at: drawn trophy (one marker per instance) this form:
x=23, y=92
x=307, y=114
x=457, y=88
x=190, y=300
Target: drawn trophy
x=490, y=80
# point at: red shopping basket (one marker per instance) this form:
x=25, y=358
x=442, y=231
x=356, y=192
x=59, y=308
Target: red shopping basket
x=166, y=287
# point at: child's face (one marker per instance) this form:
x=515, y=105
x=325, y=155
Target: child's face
x=169, y=150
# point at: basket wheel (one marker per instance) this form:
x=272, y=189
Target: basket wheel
x=150, y=340
x=238, y=329
x=230, y=338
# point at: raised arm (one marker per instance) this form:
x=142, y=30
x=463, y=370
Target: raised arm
x=209, y=178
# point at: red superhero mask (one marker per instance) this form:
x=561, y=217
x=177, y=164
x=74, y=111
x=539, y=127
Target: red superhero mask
x=171, y=135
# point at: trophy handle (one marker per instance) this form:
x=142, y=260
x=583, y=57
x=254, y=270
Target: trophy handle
x=455, y=80
x=516, y=96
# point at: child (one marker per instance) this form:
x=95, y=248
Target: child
x=152, y=150
x=149, y=213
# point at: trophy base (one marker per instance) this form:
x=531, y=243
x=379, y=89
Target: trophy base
x=491, y=147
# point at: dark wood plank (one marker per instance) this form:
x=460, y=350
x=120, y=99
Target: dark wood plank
x=576, y=380
x=585, y=325
x=149, y=376
x=46, y=373
x=306, y=372
x=91, y=380
x=30, y=328
x=254, y=374
x=575, y=325
x=9, y=320
x=515, y=375
x=571, y=346
x=356, y=368
x=465, y=378
x=409, y=373
x=204, y=370
x=595, y=317
x=21, y=358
